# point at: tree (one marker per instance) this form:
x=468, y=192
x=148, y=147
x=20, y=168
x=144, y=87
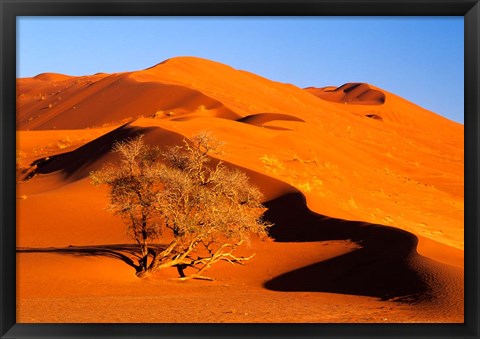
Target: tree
x=202, y=210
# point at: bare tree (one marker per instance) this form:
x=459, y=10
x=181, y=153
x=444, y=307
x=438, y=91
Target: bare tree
x=133, y=192
x=201, y=210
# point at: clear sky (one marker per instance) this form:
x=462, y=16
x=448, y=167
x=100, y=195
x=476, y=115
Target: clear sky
x=418, y=58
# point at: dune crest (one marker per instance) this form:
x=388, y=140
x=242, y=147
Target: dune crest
x=350, y=93
x=52, y=77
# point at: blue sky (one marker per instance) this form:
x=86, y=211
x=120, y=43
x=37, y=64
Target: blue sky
x=418, y=58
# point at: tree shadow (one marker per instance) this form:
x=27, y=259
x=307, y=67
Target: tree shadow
x=383, y=267
x=128, y=253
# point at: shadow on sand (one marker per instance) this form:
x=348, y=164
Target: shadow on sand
x=382, y=267
x=83, y=159
x=128, y=253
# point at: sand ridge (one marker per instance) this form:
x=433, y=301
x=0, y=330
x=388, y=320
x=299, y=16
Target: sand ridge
x=351, y=93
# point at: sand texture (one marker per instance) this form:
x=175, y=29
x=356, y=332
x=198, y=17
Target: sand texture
x=365, y=190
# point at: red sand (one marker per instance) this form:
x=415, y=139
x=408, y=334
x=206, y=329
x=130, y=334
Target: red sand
x=353, y=177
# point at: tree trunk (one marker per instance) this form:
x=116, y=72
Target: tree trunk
x=180, y=269
x=143, y=273
x=144, y=246
x=143, y=262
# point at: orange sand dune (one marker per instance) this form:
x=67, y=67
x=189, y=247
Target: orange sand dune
x=367, y=199
x=52, y=77
x=351, y=93
x=175, y=87
x=390, y=265
x=262, y=119
x=100, y=100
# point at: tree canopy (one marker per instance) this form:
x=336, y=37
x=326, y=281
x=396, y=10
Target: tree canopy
x=198, y=208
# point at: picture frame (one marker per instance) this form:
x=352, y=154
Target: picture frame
x=10, y=9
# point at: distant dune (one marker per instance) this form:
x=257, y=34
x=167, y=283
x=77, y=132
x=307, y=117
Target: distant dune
x=365, y=190
x=351, y=93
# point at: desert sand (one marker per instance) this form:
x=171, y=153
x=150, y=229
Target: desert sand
x=365, y=189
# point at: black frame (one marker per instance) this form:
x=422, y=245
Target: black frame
x=10, y=9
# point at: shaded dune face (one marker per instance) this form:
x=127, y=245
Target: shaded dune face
x=381, y=268
x=77, y=164
x=261, y=119
x=350, y=93
x=387, y=266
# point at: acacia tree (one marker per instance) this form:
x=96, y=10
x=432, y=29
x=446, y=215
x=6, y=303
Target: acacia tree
x=200, y=211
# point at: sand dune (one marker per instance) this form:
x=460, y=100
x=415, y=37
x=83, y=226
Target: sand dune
x=77, y=164
x=386, y=266
x=366, y=197
x=52, y=77
x=351, y=93
x=89, y=102
x=262, y=119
